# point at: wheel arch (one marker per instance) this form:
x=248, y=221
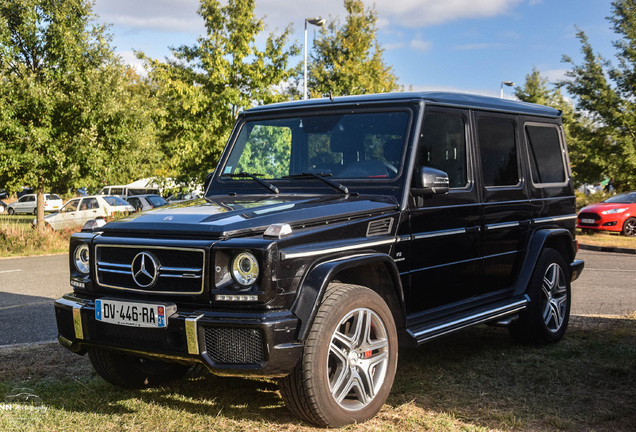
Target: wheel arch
x=374, y=271
x=559, y=239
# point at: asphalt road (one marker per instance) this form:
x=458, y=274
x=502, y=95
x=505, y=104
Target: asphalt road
x=29, y=286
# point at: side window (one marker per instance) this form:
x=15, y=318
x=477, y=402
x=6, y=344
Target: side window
x=89, y=203
x=443, y=146
x=546, y=156
x=498, y=150
x=71, y=206
x=135, y=202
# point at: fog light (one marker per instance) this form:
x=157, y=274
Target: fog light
x=235, y=297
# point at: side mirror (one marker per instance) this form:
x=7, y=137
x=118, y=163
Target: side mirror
x=208, y=179
x=431, y=181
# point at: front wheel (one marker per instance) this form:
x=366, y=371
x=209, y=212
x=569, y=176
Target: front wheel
x=629, y=227
x=348, y=362
x=11, y=212
x=547, y=316
x=132, y=372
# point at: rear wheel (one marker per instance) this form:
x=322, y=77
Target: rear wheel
x=547, y=316
x=132, y=372
x=629, y=227
x=349, y=360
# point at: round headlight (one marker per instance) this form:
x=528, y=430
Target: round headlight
x=245, y=269
x=82, y=260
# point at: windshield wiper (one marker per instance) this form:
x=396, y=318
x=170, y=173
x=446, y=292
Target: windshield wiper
x=254, y=177
x=322, y=177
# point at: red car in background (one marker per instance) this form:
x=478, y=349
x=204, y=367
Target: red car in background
x=617, y=214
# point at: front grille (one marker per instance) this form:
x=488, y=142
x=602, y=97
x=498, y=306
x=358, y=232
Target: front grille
x=594, y=216
x=177, y=270
x=228, y=345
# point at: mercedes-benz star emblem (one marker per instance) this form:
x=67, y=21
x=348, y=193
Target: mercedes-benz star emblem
x=145, y=269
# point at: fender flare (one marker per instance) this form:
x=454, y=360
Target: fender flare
x=535, y=246
x=313, y=286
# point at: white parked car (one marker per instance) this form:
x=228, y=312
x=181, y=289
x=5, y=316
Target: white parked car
x=29, y=203
x=77, y=211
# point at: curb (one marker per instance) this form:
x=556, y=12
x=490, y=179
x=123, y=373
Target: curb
x=607, y=249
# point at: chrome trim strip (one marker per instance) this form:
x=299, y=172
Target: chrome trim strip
x=469, y=321
x=502, y=225
x=77, y=321
x=555, y=218
x=77, y=316
x=114, y=271
x=403, y=238
x=293, y=255
x=441, y=233
x=192, y=334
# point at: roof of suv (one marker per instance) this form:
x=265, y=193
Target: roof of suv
x=437, y=98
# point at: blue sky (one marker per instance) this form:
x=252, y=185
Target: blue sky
x=456, y=45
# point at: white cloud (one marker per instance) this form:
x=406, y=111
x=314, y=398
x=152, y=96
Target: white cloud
x=422, y=13
x=421, y=45
x=131, y=59
x=161, y=15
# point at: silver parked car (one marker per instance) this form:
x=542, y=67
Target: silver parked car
x=77, y=211
x=29, y=203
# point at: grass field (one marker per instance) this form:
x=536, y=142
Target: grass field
x=476, y=380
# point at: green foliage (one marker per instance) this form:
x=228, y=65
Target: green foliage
x=606, y=93
x=347, y=60
x=202, y=90
x=70, y=114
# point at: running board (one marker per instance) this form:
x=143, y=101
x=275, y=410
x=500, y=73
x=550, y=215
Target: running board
x=430, y=331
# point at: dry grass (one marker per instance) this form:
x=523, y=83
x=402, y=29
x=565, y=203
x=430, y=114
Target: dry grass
x=18, y=238
x=476, y=380
x=606, y=239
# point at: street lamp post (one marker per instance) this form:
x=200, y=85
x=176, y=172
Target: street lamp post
x=317, y=22
x=505, y=83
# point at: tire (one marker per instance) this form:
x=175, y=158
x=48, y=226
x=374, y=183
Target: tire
x=629, y=227
x=131, y=372
x=10, y=212
x=349, y=360
x=546, y=318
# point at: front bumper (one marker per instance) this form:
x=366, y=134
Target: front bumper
x=234, y=344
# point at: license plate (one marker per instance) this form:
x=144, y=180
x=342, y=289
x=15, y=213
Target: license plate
x=133, y=314
x=588, y=221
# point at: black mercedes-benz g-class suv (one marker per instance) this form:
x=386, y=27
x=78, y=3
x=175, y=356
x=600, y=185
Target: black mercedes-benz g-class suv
x=330, y=231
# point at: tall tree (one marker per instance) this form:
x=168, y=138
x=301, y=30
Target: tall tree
x=65, y=100
x=607, y=93
x=579, y=130
x=202, y=90
x=347, y=59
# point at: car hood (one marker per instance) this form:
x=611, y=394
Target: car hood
x=600, y=207
x=244, y=215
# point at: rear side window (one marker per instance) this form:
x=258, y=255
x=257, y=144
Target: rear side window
x=498, y=150
x=546, y=156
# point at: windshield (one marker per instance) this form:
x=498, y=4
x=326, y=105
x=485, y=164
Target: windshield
x=628, y=198
x=362, y=145
x=115, y=201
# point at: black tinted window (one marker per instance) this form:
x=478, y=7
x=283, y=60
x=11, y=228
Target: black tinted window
x=498, y=151
x=443, y=146
x=546, y=159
